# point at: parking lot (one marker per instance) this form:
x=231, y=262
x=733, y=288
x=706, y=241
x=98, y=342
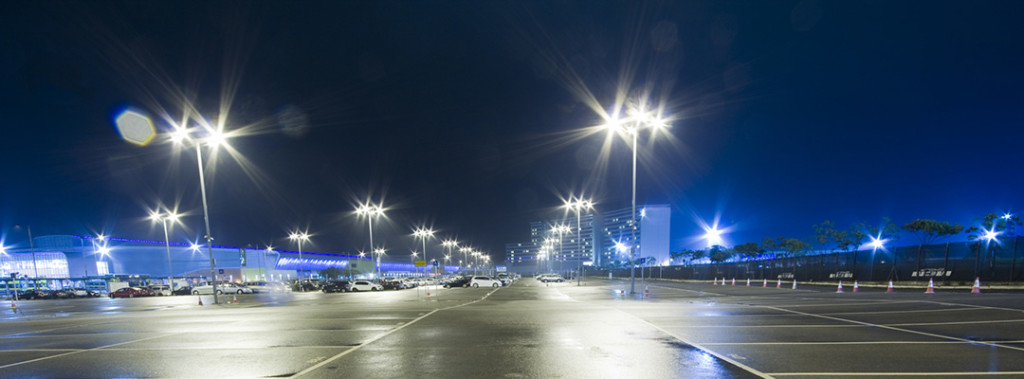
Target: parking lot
x=529, y=329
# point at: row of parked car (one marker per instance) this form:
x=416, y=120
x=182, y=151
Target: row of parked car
x=67, y=293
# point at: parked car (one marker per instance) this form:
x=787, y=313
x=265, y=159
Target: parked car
x=363, y=285
x=458, y=281
x=131, y=292
x=306, y=286
x=484, y=281
x=81, y=292
x=336, y=286
x=549, y=278
x=35, y=295
x=184, y=290
x=206, y=288
x=160, y=290
x=394, y=284
x=267, y=287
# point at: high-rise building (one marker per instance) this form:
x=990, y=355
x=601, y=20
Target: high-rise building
x=652, y=232
x=544, y=249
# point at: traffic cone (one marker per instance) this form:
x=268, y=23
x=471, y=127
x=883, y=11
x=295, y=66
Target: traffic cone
x=975, y=289
x=856, y=286
x=890, y=289
x=234, y=299
x=646, y=291
x=765, y=284
x=734, y=281
x=931, y=286
x=840, y=288
x=13, y=305
x=748, y=282
x=715, y=283
x=794, y=283
x=200, y=301
x=779, y=284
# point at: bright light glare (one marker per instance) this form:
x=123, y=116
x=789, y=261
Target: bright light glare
x=194, y=247
x=3, y=250
x=299, y=236
x=104, y=250
x=991, y=235
x=217, y=138
x=1007, y=216
x=369, y=210
x=423, y=233
x=713, y=236
x=877, y=243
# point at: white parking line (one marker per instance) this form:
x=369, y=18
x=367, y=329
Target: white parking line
x=909, y=311
x=85, y=350
x=958, y=322
x=898, y=374
x=889, y=327
x=848, y=343
x=377, y=338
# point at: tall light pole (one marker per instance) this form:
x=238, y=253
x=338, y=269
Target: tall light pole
x=380, y=253
x=561, y=230
x=579, y=205
x=163, y=218
x=639, y=118
x=371, y=211
x=450, y=244
x=465, y=257
x=423, y=234
x=32, y=248
x=215, y=138
x=299, y=237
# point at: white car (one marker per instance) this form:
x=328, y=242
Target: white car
x=160, y=290
x=222, y=288
x=268, y=287
x=548, y=278
x=484, y=281
x=363, y=285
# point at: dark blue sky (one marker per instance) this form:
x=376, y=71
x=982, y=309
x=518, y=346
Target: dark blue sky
x=466, y=115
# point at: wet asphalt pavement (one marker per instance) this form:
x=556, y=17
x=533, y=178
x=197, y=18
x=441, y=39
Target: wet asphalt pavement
x=527, y=330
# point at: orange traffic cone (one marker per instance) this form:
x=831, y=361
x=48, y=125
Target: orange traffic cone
x=646, y=291
x=715, y=283
x=748, y=282
x=13, y=305
x=779, y=284
x=840, y=288
x=765, y=284
x=890, y=289
x=856, y=286
x=931, y=286
x=200, y=301
x=234, y=299
x=975, y=289
x=794, y=283
x=734, y=281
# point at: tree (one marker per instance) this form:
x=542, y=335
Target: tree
x=795, y=247
x=928, y=231
x=332, y=273
x=990, y=223
x=719, y=254
x=824, y=233
x=748, y=250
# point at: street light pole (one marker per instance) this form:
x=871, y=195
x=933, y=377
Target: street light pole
x=370, y=212
x=170, y=216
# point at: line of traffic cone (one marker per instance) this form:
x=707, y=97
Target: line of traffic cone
x=734, y=281
x=779, y=284
x=748, y=282
x=715, y=283
x=765, y=284
x=840, y=288
x=856, y=286
x=931, y=286
x=975, y=289
x=890, y=289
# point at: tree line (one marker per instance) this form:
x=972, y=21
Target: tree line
x=828, y=238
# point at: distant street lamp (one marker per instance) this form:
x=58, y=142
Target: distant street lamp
x=380, y=253
x=639, y=118
x=163, y=218
x=423, y=234
x=579, y=205
x=371, y=211
x=465, y=257
x=300, y=238
x=450, y=244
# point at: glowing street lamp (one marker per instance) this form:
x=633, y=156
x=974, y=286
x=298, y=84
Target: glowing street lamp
x=713, y=235
x=163, y=218
x=877, y=243
x=450, y=244
x=215, y=138
x=465, y=256
x=380, y=253
x=423, y=234
x=371, y=211
x=300, y=238
x=579, y=205
x=639, y=118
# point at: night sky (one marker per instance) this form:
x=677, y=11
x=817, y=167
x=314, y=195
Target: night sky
x=472, y=116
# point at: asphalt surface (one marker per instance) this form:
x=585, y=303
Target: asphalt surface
x=527, y=330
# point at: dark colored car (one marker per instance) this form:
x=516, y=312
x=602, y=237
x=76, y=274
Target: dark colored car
x=185, y=290
x=131, y=292
x=336, y=286
x=393, y=284
x=305, y=286
x=457, y=282
x=36, y=294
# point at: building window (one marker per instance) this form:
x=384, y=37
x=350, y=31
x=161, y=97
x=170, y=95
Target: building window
x=102, y=268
